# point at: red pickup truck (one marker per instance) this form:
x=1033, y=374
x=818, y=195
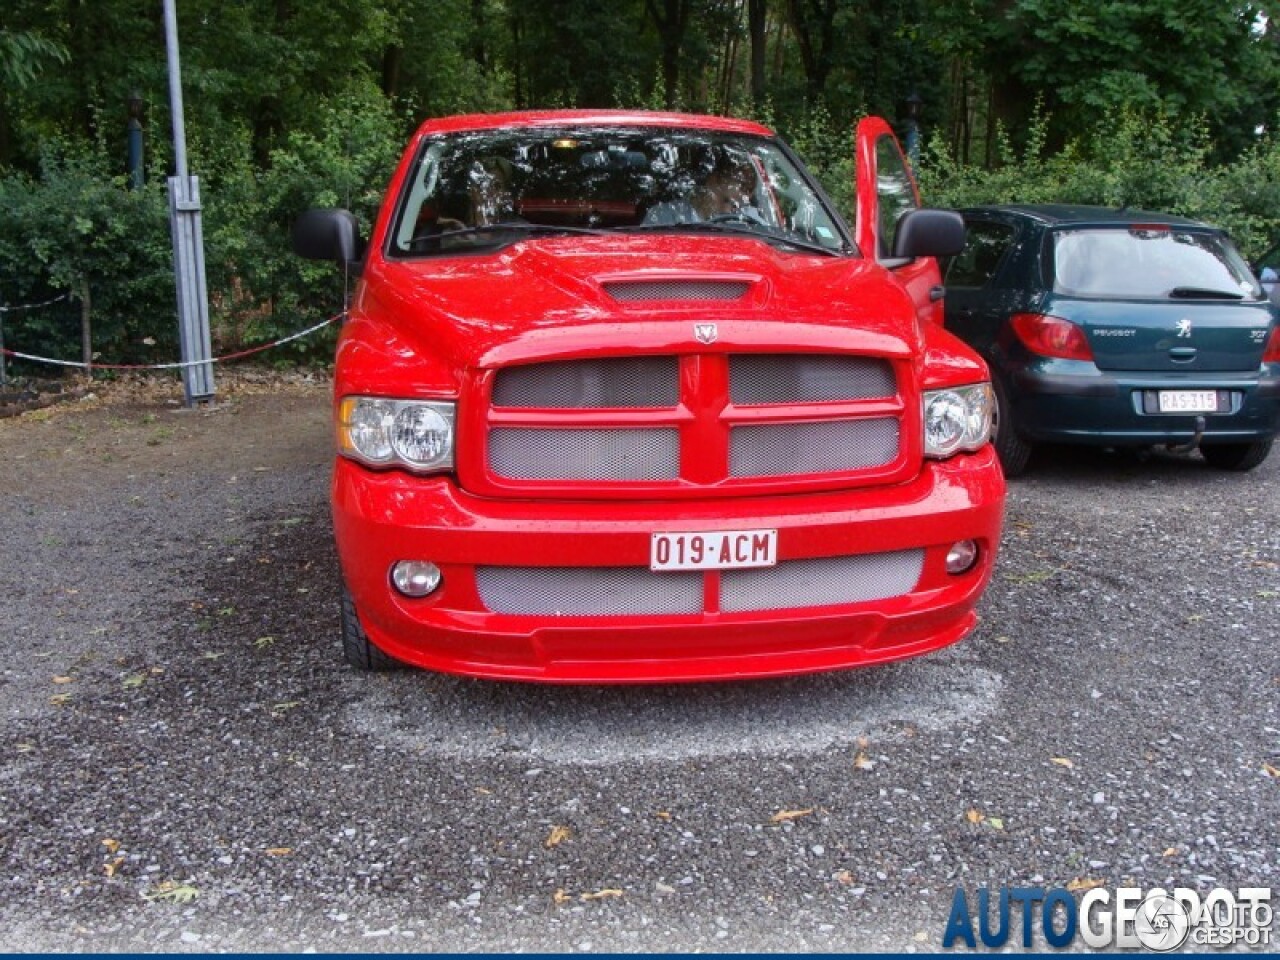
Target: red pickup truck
x=622, y=398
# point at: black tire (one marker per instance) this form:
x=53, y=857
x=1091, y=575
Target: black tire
x=357, y=649
x=1013, y=451
x=1236, y=456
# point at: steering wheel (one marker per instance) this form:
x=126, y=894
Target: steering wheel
x=745, y=216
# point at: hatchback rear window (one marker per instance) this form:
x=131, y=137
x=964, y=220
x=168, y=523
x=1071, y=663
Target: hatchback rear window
x=1150, y=262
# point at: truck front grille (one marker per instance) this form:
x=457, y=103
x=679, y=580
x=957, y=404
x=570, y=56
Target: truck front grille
x=827, y=446
x=653, y=425
x=802, y=378
x=585, y=454
x=619, y=382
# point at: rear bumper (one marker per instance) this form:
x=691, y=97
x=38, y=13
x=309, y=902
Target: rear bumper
x=1074, y=402
x=380, y=518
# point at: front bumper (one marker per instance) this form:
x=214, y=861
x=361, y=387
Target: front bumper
x=383, y=517
x=1067, y=401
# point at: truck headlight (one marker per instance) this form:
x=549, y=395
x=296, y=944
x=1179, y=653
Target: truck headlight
x=956, y=419
x=415, y=434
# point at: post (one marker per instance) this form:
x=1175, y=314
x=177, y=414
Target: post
x=914, y=103
x=135, y=164
x=188, y=240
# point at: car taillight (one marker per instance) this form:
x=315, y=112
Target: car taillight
x=1051, y=336
x=1272, y=352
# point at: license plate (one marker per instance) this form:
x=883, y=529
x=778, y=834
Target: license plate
x=713, y=550
x=1188, y=401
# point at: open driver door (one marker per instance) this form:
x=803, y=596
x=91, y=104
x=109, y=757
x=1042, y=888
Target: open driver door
x=886, y=192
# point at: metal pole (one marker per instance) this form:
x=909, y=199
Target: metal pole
x=188, y=240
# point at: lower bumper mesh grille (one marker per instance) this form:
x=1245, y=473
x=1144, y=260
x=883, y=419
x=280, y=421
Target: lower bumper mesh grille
x=822, y=582
x=588, y=591
x=637, y=591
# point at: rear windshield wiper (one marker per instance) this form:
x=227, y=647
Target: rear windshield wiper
x=707, y=226
x=1203, y=293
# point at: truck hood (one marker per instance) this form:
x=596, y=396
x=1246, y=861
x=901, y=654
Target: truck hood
x=557, y=298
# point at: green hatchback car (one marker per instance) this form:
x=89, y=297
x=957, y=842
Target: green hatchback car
x=1117, y=328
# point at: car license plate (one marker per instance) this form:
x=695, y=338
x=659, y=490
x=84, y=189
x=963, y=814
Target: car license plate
x=713, y=550
x=1188, y=401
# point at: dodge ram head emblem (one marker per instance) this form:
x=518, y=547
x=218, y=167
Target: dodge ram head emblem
x=1184, y=327
x=704, y=332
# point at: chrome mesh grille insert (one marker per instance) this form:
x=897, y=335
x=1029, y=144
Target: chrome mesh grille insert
x=631, y=291
x=825, y=446
x=822, y=582
x=606, y=454
x=807, y=378
x=584, y=384
x=588, y=591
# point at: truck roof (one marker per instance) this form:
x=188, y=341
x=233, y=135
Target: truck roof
x=588, y=118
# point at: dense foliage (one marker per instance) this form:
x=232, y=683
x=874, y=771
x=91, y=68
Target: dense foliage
x=1166, y=104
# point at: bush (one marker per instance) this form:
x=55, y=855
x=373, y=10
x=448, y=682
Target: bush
x=1142, y=160
x=78, y=230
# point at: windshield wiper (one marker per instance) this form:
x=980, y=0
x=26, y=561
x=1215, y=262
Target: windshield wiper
x=518, y=226
x=1203, y=293
x=707, y=226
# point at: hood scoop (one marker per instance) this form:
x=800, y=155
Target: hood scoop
x=633, y=291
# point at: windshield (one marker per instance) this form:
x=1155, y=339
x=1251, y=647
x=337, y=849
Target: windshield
x=1150, y=262
x=483, y=189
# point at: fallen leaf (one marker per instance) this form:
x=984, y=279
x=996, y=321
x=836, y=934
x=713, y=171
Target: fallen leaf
x=1269, y=770
x=862, y=743
x=210, y=655
x=974, y=815
x=133, y=681
x=663, y=815
x=484, y=791
x=844, y=877
x=112, y=866
x=1062, y=762
x=280, y=709
x=1004, y=639
x=1170, y=851
x=559, y=898
x=111, y=845
x=64, y=679
x=1035, y=576
x=995, y=823
x=59, y=699
x=786, y=816
x=1084, y=883
x=263, y=642
x=278, y=851
x=601, y=894
x=172, y=892
x=863, y=762
x=26, y=748
x=557, y=836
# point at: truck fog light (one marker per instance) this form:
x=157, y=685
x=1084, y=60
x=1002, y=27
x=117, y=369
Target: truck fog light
x=415, y=578
x=962, y=556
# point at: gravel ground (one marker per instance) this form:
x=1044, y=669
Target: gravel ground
x=185, y=763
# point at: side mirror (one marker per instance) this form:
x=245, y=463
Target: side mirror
x=929, y=233
x=328, y=234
